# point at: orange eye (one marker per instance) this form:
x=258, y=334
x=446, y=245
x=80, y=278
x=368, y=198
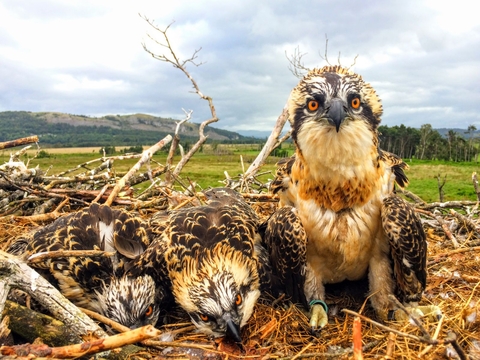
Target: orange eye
x=355, y=103
x=149, y=311
x=204, y=317
x=238, y=300
x=312, y=105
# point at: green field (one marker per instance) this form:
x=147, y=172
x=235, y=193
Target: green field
x=207, y=168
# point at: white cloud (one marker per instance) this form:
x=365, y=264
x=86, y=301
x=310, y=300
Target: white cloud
x=85, y=56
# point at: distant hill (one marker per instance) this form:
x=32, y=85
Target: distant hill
x=67, y=130
x=462, y=132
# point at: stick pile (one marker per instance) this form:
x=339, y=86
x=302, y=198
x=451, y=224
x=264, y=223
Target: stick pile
x=276, y=330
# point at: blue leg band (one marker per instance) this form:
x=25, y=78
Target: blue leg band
x=321, y=302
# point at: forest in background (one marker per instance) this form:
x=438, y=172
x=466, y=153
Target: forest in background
x=427, y=143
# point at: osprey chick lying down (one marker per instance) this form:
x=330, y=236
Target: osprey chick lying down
x=99, y=284
x=212, y=259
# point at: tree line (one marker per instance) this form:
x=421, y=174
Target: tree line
x=427, y=143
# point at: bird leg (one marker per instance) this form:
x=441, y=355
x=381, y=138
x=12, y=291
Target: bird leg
x=318, y=314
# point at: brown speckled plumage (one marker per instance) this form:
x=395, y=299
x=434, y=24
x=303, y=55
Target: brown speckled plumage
x=210, y=256
x=98, y=283
x=340, y=218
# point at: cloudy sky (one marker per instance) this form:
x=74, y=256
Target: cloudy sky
x=86, y=56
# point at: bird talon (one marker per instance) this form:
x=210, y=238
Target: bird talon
x=318, y=317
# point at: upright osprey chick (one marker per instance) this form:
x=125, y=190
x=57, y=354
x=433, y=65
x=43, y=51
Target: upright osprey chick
x=340, y=218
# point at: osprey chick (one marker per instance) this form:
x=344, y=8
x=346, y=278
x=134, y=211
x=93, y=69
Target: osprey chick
x=340, y=218
x=99, y=284
x=210, y=255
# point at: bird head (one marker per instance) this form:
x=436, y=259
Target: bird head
x=218, y=290
x=333, y=101
x=131, y=301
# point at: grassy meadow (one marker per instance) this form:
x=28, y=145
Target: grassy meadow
x=207, y=168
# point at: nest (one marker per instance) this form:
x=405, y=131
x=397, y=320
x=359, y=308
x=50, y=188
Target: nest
x=278, y=329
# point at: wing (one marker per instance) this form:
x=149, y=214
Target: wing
x=269, y=281
x=285, y=240
x=97, y=227
x=398, y=166
x=408, y=247
x=281, y=183
x=131, y=234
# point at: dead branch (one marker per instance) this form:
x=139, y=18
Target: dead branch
x=462, y=219
x=447, y=231
x=325, y=56
x=174, y=145
x=49, y=216
x=446, y=205
x=422, y=339
x=85, y=348
x=146, y=156
x=50, y=330
x=17, y=274
x=390, y=346
x=440, y=257
x=18, y=142
x=272, y=143
x=172, y=58
x=109, y=322
x=295, y=63
x=411, y=196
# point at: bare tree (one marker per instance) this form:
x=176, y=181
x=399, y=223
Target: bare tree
x=171, y=57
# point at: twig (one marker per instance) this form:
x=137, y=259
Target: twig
x=305, y=348
x=357, y=339
x=439, y=257
x=447, y=231
x=175, y=142
x=411, y=196
x=440, y=185
x=295, y=63
x=146, y=156
x=387, y=328
x=49, y=216
x=390, y=346
x=411, y=316
x=164, y=344
x=109, y=322
x=434, y=337
x=466, y=221
x=88, y=347
x=448, y=204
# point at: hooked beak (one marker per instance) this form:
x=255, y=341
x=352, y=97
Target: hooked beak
x=336, y=113
x=233, y=331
